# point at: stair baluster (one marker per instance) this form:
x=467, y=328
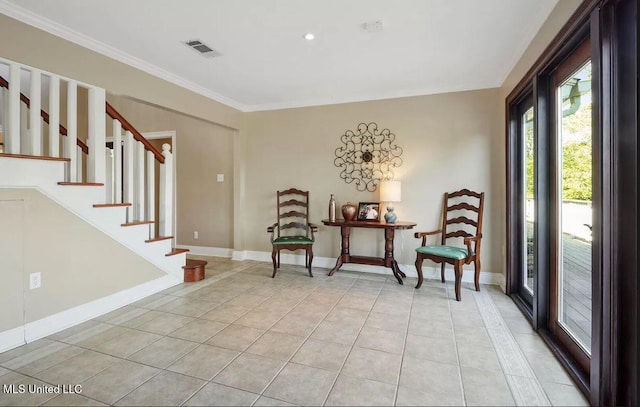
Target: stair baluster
x=54, y=116
x=35, y=134
x=166, y=192
x=117, y=161
x=72, y=130
x=151, y=192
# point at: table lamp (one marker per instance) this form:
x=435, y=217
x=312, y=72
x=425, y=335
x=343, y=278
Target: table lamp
x=390, y=191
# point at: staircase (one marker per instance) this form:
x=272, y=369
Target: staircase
x=110, y=188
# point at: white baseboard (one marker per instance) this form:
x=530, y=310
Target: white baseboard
x=409, y=269
x=11, y=339
x=238, y=255
x=207, y=251
x=66, y=319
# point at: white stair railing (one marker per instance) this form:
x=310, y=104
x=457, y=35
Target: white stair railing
x=128, y=170
x=138, y=176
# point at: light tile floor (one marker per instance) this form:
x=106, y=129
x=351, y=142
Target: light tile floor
x=241, y=338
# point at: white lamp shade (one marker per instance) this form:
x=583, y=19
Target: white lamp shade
x=390, y=191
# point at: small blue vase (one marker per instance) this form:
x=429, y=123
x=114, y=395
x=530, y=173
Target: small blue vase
x=390, y=216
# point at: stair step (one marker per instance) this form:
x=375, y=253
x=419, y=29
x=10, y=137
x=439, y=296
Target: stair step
x=140, y=222
x=114, y=205
x=176, y=251
x=85, y=184
x=34, y=157
x=194, y=270
x=159, y=238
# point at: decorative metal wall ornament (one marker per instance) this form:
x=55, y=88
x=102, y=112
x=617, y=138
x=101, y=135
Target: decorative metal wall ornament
x=367, y=156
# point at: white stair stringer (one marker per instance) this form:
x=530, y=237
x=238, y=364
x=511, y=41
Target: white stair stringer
x=44, y=176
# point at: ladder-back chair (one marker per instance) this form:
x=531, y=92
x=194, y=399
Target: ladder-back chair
x=460, y=208
x=292, y=231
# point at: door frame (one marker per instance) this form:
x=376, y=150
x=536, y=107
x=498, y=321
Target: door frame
x=613, y=27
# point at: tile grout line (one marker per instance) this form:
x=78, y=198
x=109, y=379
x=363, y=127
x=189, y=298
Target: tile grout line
x=455, y=341
x=353, y=345
x=404, y=347
x=523, y=383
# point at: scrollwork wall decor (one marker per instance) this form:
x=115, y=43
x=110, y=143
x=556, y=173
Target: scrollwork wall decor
x=367, y=156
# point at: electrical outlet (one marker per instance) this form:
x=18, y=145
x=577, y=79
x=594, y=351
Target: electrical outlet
x=35, y=280
x=195, y=234
x=220, y=177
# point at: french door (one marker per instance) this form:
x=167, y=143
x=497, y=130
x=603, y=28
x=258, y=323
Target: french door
x=571, y=204
x=572, y=184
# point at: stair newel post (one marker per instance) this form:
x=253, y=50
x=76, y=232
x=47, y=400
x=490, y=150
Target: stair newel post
x=139, y=181
x=35, y=89
x=96, y=166
x=72, y=129
x=54, y=116
x=166, y=192
x=117, y=160
x=12, y=126
x=128, y=171
x=151, y=191
x=108, y=182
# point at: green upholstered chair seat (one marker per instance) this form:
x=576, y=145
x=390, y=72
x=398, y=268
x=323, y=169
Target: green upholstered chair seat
x=292, y=240
x=450, y=252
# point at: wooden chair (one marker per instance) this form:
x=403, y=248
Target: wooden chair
x=292, y=231
x=457, y=205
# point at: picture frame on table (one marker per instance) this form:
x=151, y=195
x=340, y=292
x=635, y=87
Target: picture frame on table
x=369, y=211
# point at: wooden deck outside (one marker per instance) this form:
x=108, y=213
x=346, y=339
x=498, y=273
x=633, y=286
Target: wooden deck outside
x=576, y=287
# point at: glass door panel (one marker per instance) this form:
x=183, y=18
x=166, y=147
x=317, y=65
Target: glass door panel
x=528, y=268
x=574, y=206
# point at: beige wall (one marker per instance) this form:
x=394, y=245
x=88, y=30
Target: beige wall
x=78, y=263
x=449, y=142
x=202, y=150
x=37, y=48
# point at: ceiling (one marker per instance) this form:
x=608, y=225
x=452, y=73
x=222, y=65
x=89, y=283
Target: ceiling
x=424, y=47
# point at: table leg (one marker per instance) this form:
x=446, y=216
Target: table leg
x=345, y=232
x=398, y=272
x=389, y=260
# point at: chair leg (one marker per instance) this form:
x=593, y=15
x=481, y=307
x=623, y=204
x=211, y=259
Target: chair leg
x=419, y=270
x=442, y=271
x=310, y=253
x=273, y=258
x=306, y=258
x=278, y=258
x=458, y=270
x=476, y=266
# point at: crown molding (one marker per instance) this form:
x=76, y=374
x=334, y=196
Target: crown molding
x=366, y=98
x=28, y=17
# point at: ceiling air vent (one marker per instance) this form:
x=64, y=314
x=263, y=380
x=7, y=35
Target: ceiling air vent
x=202, y=49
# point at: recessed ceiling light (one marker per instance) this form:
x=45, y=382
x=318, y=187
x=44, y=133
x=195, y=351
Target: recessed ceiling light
x=308, y=36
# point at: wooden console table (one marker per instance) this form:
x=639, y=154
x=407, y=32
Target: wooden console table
x=389, y=231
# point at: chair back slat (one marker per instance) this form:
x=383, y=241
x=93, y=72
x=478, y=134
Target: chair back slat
x=462, y=206
x=466, y=192
x=294, y=191
x=458, y=233
x=293, y=225
x=293, y=214
x=293, y=202
x=462, y=219
x=293, y=221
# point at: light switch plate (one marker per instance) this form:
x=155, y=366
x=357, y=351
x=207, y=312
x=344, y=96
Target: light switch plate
x=220, y=177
